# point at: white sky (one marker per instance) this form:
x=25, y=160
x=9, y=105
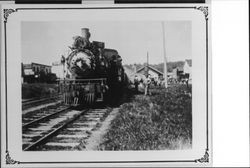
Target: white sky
x=45, y=42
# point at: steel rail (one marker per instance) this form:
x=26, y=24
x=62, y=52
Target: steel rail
x=52, y=133
x=43, y=118
x=27, y=100
x=38, y=100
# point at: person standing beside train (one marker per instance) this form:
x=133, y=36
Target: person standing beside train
x=147, y=84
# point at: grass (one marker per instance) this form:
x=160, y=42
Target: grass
x=37, y=90
x=157, y=122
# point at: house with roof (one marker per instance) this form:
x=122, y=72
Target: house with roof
x=149, y=70
x=185, y=69
x=31, y=72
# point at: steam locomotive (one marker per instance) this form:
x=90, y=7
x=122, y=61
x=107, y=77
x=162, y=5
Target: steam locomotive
x=94, y=73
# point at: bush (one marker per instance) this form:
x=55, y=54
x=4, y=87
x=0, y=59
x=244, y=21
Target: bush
x=37, y=90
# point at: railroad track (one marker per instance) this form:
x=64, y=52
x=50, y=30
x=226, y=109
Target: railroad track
x=39, y=116
x=33, y=102
x=65, y=132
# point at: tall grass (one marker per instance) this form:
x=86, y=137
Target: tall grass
x=157, y=122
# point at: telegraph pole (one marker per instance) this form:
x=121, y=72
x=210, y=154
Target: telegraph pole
x=165, y=56
x=147, y=63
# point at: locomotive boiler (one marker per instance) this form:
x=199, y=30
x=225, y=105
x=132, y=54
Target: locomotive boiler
x=94, y=73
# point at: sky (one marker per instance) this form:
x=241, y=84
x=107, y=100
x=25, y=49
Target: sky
x=45, y=42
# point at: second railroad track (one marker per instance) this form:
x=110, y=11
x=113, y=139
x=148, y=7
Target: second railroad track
x=64, y=129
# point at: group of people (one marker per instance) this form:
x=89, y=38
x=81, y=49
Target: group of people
x=146, y=83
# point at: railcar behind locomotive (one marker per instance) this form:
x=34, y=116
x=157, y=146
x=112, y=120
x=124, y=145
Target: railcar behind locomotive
x=94, y=73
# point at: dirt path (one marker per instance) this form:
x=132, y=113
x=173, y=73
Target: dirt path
x=96, y=137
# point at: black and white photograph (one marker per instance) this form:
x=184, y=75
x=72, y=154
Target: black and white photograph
x=109, y=89
x=99, y=85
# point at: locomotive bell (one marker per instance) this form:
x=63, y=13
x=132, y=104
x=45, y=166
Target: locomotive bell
x=85, y=33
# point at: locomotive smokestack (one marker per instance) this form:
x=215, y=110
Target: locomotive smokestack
x=85, y=33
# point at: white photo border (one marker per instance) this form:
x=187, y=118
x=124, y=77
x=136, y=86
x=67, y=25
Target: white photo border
x=207, y=151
